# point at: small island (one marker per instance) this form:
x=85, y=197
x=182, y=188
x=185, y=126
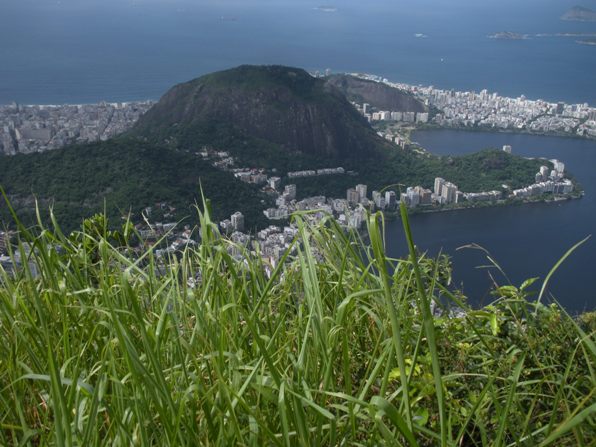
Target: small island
x=326, y=8
x=508, y=35
x=591, y=42
x=580, y=14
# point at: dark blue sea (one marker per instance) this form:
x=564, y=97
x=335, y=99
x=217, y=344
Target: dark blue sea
x=74, y=51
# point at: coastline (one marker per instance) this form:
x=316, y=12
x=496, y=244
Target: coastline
x=392, y=215
x=578, y=192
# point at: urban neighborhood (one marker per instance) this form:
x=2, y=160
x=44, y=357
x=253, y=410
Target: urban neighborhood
x=489, y=111
x=37, y=128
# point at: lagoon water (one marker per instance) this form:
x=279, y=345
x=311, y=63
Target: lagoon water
x=526, y=240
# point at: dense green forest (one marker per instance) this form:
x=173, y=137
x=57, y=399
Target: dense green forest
x=124, y=175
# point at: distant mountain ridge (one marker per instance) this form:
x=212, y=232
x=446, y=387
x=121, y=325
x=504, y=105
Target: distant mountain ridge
x=580, y=14
x=279, y=105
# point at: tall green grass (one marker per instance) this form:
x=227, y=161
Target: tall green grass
x=337, y=346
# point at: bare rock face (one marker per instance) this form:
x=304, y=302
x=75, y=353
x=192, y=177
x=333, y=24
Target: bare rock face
x=280, y=105
x=377, y=94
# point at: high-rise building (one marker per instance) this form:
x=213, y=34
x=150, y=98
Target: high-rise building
x=449, y=193
x=439, y=182
x=445, y=192
x=425, y=195
x=365, y=108
x=362, y=189
x=403, y=198
x=352, y=196
x=413, y=197
x=356, y=218
x=559, y=166
x=390, y=199
x=237, y=221
x=376, y=197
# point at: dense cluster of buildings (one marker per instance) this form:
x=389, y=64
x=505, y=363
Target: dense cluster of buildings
x=547, y=182
x=274, y=241
x=26, y=129
x=169, y=239
x=351, y=212
x=371, y=114
x=392, y=117
x=489, y=110
x=234, y=223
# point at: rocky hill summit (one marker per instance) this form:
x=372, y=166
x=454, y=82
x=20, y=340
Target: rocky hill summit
x=281, y=105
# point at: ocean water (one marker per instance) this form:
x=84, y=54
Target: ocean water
x=73, y=51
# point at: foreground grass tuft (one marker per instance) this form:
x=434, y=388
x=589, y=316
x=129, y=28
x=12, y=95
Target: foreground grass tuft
x=338, y=346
